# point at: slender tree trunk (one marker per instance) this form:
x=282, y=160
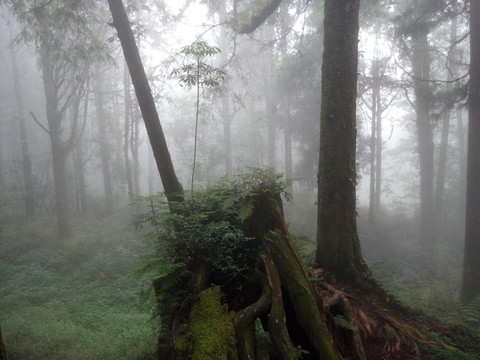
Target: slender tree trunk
x=338, y=246
x=373, y=144
x=286, y=101
x=126, y=129
x=471, y=263
x=225, y=105
x=269, y=107
x=421, y=72
x=378, y=153
x=59, y=152
x=173, y=188
x=102, y=139
x=26, y=158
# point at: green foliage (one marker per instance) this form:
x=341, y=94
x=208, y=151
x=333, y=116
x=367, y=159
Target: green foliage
x=341, y=322
x=211, y=328
x=471, y=312
x=199, y=72
x=73, y=299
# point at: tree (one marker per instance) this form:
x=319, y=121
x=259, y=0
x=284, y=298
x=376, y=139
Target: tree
x=65, y=44
x=172, y=187
x=20, y=114
x=471, y=263
x=201, y=75
x=338, y=247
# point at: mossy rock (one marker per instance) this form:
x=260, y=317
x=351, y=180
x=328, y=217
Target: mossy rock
x=211, y=328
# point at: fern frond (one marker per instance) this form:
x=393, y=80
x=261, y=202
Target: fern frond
x=341, y=322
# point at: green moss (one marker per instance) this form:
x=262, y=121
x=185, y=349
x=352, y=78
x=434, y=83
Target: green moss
x=211, y=328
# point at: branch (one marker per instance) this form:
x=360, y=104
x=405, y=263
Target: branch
x=40, y=124
x=254, y=21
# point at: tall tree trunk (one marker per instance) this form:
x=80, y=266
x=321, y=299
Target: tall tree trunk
x=284, y=24
x=421, y=73
x=269, y=108
x=59, y=152
x=102, y=139
x=471, y=263
x=373, y=144
x=26, y=159
x=126, y=129
x=173, y=188
x=378, y=158
x=338, y=246
x=225, y=105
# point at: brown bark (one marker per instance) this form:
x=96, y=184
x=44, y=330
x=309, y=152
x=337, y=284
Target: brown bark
x=471, y=263
x=338, y=247
x=3, y=351
x=173, y=188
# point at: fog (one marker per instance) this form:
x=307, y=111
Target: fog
x=67, y=259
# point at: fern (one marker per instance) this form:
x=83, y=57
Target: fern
x=341, y=322
x=470, y=311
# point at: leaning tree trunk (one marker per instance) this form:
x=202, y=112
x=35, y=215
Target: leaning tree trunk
x=173, y=188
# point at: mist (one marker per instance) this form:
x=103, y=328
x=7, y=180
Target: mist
x=80, y=187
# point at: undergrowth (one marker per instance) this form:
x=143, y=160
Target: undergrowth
x=74, y=299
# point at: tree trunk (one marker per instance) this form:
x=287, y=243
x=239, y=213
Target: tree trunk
x=59, y=152
x=102, y=139
x=471, y=263
x=26, y=159
x=284, y=21
x=126, y=133
x=173, y=188
x=338, y=247
x=423, y=96
x=3, y=351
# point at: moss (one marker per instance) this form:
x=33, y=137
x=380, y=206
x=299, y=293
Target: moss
x=211, y=327
x=434, y=353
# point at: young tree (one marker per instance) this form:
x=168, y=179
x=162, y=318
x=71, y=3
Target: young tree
x=471, y=263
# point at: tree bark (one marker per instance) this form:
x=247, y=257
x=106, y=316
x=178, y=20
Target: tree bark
x=338, y=247
x=471, y=263
x=423, y=97
x=59, y=152
x=173, y=188
x=3, y=351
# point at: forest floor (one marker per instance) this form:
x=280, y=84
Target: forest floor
x=76, y=299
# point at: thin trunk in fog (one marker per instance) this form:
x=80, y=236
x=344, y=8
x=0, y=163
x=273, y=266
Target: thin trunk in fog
x=126, y=131
x=78, y=162
x=338, y=247
x=20, y=114
x=225, y=105
x=443, y=151
x=421, y=72
x=102, y=138
x=373, y=142
x=134, y=149
x=59, y=150
x=378, y=155
x=284, y=28
x=173, y=188
x=462, y=158
x=269, y=103
x=471, y=263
